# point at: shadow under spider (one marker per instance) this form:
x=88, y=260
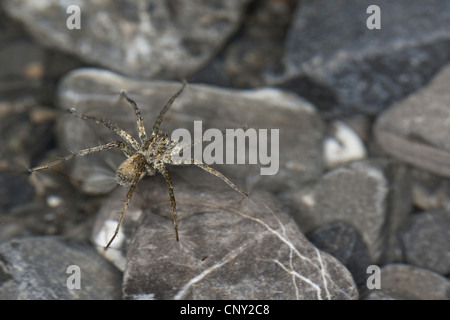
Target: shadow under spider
x=143, y=158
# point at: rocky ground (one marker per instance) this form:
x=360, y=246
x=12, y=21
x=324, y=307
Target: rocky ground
x=359, y=207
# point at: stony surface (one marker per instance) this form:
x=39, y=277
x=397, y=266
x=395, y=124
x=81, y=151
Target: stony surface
x=404, y=282
x=338, y=65
x=429, y=191
x=30, y=270
x=426, y=241
x=230, y=248
x=334, y=60
x=359, y=195
x=150, y=38
x=343, y=242
x=415, y=130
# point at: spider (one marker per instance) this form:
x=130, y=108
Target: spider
x=144, y=158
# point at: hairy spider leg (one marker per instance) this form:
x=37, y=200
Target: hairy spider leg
x=115, y=144
x=166, y=174
x=122, y=133
x=139, y=119
x=155, y=128
x=127, y=201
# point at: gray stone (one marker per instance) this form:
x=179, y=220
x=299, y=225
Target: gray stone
x=96, y=93
x=147, y=39
x=335, y=61
x=230, y=248
x=405, y=282
x=415, y=130
x=14, y=190
x=36, y=269
x=430, y=192
x=371, y=195
x=344, y=243
x=426, y=241
x=253, y=51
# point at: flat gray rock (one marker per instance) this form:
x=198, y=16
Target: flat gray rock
x=36, y=268
x=426, y=241
x=335, y=61
x=406, y=282
x=230, y=248
x=344, y=242
x=146, y=38
x=96, y=93
x=360, y=195
x=416, y=129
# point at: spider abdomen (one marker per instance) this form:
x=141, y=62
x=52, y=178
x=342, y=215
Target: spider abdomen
x=130, y=168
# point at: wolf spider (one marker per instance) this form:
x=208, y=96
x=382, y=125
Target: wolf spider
x=144, y=158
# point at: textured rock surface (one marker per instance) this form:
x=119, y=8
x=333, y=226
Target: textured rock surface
x=145, y=38
x=36, y=268
x=334, y=60
x=404, y=282
x=344, y=243
x=416, y=129
x=359, y=195
x=230, y=248
x=426, y=241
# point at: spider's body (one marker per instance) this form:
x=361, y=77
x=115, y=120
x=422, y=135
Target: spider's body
x=144, y=158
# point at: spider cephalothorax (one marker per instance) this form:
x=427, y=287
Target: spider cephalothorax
x=144, y=158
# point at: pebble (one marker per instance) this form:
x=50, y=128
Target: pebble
x=415, y=130
x=405, y=282
x=41, y=268
x=359, y=194
x=426, y=241
x=343, y=146
x=343, y=242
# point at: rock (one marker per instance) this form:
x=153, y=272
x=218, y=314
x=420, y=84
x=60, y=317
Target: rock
x=415, y=130
x=14, y=190
x=343, y=145
x=36, y=268
x=253, y=51
x=230, y=248
x=95, y=92
x=362, y=195
x=426, y=241
x=333, y=59
x=344, y=243
x=146, y=39
x=429, y=191
x=405, y=282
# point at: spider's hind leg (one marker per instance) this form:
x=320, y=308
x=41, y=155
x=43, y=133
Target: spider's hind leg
x=126, y=203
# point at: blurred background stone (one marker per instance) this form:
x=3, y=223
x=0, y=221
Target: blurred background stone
x=134, y=37
x=404, y=282
x=30, y=270
x=333, y=59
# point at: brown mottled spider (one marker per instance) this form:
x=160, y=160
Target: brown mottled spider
x=146, y=158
